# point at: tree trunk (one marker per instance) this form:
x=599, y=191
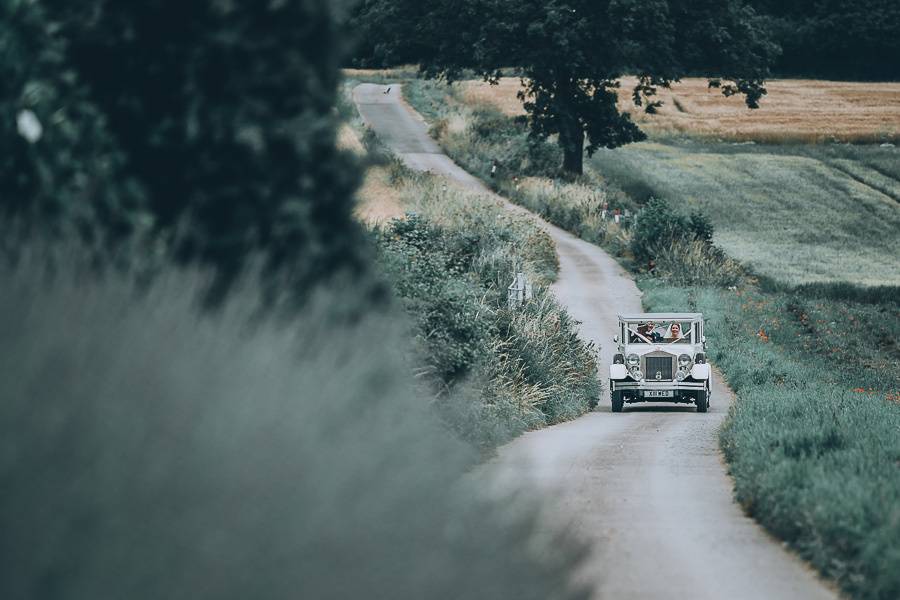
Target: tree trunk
x=571, y=139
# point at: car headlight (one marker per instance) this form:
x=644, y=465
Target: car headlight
x=633, y=360
x=680, y=375
x=636, y=373
x=684, y=361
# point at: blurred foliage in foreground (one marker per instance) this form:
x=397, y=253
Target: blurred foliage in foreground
x=209, y=123
x=149, y=449
x=148, y=452
x=59, y=164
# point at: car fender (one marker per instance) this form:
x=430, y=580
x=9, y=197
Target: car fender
x=618, y=372
x=700, y=372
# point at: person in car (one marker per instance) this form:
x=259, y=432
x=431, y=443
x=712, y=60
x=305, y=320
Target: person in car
x=648, y=330
x=674, y=333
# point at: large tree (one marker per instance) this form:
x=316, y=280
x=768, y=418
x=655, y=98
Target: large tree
x=573, y=53
x=59, y=166
x=224, y=113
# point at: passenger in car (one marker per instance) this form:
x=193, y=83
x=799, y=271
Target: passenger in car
x=646, y=330
x=674, y=333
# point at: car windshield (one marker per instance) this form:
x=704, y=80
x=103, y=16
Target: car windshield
x=659, y=332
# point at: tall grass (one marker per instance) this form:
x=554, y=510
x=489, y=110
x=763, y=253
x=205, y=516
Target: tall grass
x=147, y=451
x=812, y=441
x=693, y=262
x=477, y=134
x=586, y=209
x=450, y=260
x=504, y=238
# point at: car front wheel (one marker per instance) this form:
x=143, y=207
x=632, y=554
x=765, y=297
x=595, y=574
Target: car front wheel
x=618, y=401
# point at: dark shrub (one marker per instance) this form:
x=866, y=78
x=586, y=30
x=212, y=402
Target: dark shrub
x=657, y=226
x=225, y=114
x=59, y=166
x=427, y=270
x=701, y=227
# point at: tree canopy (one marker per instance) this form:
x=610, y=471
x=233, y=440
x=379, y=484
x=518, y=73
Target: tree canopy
x=572, y=53
x=59, y=164
x=211, y=123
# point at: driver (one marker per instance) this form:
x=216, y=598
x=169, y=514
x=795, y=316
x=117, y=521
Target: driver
x=648, y=330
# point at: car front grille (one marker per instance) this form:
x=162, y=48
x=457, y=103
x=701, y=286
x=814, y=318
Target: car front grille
x=658, y=368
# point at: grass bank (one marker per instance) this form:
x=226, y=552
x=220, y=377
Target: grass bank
x=449, y=255
x=494, y=371
x=476, y=134
x=812, y=441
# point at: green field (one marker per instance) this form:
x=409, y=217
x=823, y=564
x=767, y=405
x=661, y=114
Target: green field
x=800, y=214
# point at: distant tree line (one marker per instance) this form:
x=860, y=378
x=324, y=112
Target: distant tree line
x=835, y=38
x=818, y=38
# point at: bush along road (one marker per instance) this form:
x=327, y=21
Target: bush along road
x=646, y=488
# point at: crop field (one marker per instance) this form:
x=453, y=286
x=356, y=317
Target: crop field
x=794, y=111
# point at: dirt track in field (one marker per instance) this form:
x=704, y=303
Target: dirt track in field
x=646, y=487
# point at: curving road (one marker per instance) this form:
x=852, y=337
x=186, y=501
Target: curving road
x=647, y=487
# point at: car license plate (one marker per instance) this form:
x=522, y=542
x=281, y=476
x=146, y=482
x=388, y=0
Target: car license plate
x=659, y=394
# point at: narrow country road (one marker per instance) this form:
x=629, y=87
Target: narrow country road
x=647, y=487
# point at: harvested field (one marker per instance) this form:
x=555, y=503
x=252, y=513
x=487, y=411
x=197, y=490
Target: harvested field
x=377, y=201
x=347, y=140
x=795, y=111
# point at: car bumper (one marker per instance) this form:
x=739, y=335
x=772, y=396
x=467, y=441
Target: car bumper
x=643, y=391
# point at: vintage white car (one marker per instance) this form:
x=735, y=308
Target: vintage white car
x=661, y=358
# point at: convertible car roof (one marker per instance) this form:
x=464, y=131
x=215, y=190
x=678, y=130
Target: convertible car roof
x=662, y=317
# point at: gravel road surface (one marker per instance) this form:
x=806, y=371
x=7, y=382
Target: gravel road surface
x=647, y=487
